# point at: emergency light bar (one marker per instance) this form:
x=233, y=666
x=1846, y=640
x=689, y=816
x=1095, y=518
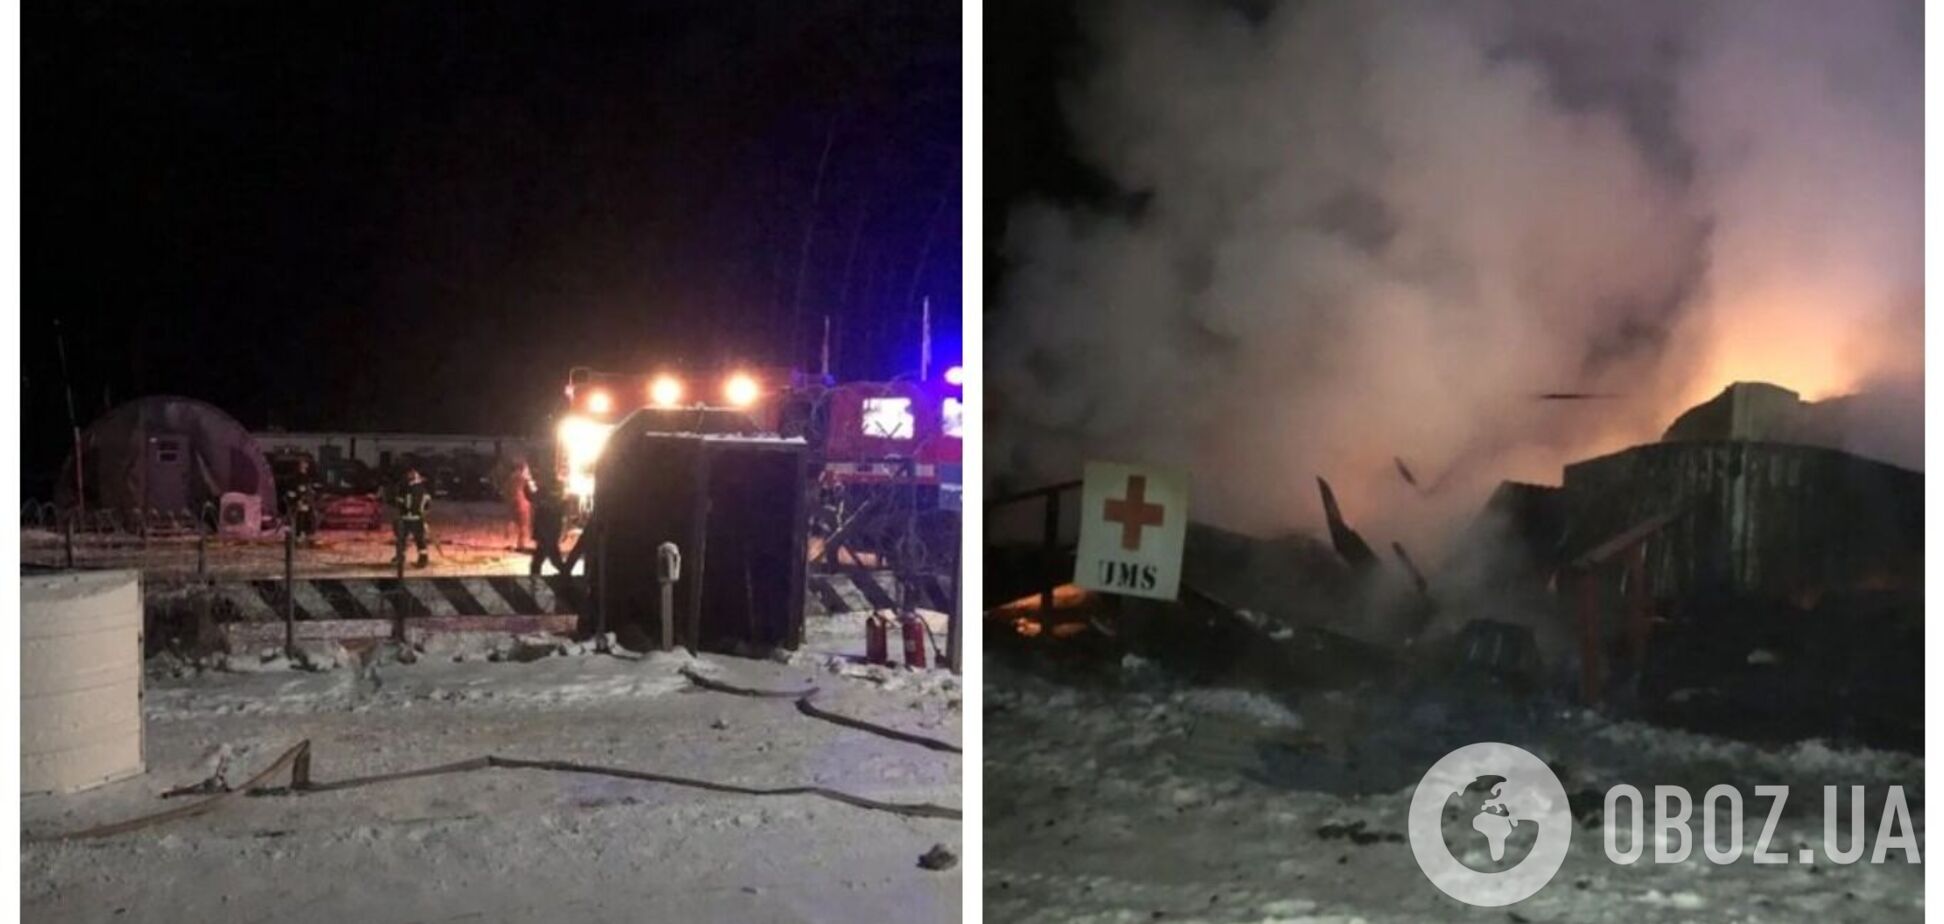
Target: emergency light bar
x=741, y=390
x=665, y=391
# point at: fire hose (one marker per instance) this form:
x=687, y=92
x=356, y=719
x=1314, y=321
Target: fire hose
x=298, y=760
x=804, y=706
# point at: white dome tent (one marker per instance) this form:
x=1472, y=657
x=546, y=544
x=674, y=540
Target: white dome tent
x=169, y=454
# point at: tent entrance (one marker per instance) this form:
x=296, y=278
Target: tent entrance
x=166, y=479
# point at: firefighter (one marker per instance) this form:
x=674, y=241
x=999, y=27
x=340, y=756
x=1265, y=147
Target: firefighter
x=549, y=504
x=300, y=502
x=409, y=504
x=518, y=490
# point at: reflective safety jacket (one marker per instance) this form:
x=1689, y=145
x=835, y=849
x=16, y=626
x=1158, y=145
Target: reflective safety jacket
x=412, y=500
x=300, y=496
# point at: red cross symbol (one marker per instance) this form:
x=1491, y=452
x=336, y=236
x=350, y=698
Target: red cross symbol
x=1133, y=512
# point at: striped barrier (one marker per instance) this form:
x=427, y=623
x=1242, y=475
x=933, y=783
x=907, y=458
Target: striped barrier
x=319, y=599
x=352, y=609
x=357, y=608
x=835, y=592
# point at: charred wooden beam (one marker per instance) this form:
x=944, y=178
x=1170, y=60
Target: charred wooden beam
x=1347, y=542
x=1405, y=471
x=1625, y=539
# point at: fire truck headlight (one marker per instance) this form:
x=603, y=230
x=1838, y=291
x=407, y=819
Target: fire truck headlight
x=600, y=402
x=741, y=390
x=583, y=440
x=665, y=391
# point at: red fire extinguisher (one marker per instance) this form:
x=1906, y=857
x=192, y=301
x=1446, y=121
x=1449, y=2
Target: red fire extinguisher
x=914, y=640
x=877, y=648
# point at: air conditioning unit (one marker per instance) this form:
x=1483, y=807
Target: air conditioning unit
x=240, y=515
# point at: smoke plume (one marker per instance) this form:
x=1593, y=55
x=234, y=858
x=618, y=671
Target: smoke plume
x=1354, y=233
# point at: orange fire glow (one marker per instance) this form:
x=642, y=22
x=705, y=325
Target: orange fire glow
x=1065, y=596
x=1789, y=340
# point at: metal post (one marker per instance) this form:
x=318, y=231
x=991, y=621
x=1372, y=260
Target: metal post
x=290, y=593
x=70, y=540
x=80, y=484
x=668, y=570
x=202, y=543
x=667, y=616
x=595, y=571
x=399, y=593
x=74, y=423
x=823, y=367
x=924, y=342
x=954, y=638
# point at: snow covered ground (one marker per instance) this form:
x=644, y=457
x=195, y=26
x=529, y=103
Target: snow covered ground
x=519, y=845
x=1142, y=800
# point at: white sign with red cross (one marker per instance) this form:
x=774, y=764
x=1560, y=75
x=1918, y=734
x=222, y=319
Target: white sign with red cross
x=1133, y=520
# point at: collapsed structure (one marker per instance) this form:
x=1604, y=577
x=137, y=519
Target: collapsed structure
x=1746, y=574
x=1746, y=570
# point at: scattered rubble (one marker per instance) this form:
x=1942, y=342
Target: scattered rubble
x=938, y=858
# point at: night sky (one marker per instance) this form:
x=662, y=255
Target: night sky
x=1032, y=49
x=381, y=216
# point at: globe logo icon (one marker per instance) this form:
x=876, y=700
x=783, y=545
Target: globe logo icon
x=1489, y=824
x=1485, y=830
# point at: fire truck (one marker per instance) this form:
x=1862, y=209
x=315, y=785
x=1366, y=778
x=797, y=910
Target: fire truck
x=740, y=400
x=892, y=474
x=890, y=453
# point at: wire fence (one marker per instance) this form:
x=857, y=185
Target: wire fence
x=47, y=517
x=187, y=546
x=183, y=554
x=187, y=557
